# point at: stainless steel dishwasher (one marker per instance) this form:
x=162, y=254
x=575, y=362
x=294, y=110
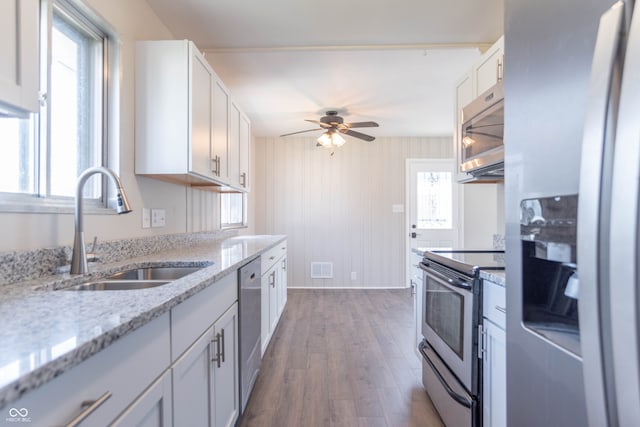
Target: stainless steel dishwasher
x=249, y=305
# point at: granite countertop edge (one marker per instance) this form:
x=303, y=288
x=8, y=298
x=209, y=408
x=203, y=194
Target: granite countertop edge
x=496, y=276
x=207, y=254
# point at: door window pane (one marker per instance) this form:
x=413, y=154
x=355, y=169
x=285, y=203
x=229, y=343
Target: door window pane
x=434, y=203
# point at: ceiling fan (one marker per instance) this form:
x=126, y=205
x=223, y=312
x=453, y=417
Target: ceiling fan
x=334, y=125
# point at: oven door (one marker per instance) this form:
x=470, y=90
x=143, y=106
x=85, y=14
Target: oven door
x=447, y=322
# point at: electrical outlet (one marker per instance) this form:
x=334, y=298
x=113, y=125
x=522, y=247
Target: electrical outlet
x=157, y=218
x=354, y=275
x=146, y=218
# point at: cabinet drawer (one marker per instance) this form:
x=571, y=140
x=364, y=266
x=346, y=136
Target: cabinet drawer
x=190, y=319
x=494, y=303
x=270, y=257
x=124, y=369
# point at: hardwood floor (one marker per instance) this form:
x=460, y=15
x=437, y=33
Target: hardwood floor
x=342, y=358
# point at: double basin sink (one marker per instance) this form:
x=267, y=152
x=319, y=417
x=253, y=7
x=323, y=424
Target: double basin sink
x=137, y=278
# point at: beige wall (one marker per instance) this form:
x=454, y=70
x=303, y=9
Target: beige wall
x=186, y=210
x=338, y=208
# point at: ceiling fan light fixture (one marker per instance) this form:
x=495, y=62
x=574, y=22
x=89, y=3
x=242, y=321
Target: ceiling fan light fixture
x=331, y=139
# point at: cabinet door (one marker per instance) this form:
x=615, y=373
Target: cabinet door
x=245, y=151
x=220, y=125
x=490, y=68
x=282, y=285
x=494, y=382
x=193, y=383
x=152, y=409
x=19, y=30
x=273, y=298
x=200, y=141
x=225, y=377
x=264, y=311
x=234, y=145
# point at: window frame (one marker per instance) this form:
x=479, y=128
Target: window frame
x=41, y=201
x=244, y=223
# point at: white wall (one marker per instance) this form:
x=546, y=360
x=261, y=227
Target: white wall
x=338, y=208
x=483, y=214
x=186, y=209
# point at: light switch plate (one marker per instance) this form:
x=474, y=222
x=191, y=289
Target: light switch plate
x=146, y=218
x=157, y=217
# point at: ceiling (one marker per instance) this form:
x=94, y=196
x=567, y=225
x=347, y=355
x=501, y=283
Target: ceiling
x=288, y=60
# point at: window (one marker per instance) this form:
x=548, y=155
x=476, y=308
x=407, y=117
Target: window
x=435, y=207
x=233, y=210
x=42, y=155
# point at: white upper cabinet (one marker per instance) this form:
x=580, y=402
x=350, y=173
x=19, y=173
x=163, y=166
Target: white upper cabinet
x=490, y=69
x=19, y=20
x=220, y=126
x=245, y=147
x=173, y=112
x=234, y=145
x=187, y=127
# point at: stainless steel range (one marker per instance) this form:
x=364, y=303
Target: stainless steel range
x=450, y=318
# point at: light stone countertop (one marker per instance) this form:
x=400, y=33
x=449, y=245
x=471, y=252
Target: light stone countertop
x=495, y=276
x=46, y=332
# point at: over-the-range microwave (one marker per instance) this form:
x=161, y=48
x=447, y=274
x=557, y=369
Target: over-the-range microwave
x=482, y=135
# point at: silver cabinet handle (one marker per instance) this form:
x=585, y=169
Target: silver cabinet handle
x=501, y=309
x=216, y=165
x=284, y=264
x=89, y=406
x=217, y=358
x=243, y=179
x=482, y=342
x=272, y=279
x=222, y=340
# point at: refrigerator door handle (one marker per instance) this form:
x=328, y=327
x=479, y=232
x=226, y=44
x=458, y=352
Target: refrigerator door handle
x=625, y=237
x=597, y=146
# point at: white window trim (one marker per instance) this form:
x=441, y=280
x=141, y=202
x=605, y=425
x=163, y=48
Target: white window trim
x=33, y=203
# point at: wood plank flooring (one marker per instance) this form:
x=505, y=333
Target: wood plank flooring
x=342, y=358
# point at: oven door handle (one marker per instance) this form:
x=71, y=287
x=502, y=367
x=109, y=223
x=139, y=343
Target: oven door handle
x=455, y=283
x=455, y=396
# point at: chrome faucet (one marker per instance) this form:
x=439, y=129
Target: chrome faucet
x=79, y=256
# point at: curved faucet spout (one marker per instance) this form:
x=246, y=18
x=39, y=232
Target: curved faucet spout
x=79, y=255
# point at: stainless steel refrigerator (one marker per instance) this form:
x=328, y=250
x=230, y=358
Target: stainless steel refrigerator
x=572, y=159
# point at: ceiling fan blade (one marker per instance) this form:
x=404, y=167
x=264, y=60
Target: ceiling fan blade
x=324, y=125
x=302, y=131
x=357, y=134
x=362, y=125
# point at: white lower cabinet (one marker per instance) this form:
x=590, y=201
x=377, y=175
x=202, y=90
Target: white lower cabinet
x=111, y=380
x=152, y=409
x=274, y=290
x=494, y=356
x=180, y=369
x=205, y=378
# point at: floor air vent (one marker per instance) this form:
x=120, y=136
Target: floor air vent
x=322, y=270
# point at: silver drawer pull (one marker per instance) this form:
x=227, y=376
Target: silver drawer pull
x=218, y=356
x=501, y=309
x=90, y=406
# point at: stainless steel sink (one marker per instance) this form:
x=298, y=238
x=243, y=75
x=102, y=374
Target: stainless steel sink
x=153, y=273
x=118, y=285
x=138, y=278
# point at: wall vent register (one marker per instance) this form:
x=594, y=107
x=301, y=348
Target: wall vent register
x=322, y=270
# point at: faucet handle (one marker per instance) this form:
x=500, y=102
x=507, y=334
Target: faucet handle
x=91, y=255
